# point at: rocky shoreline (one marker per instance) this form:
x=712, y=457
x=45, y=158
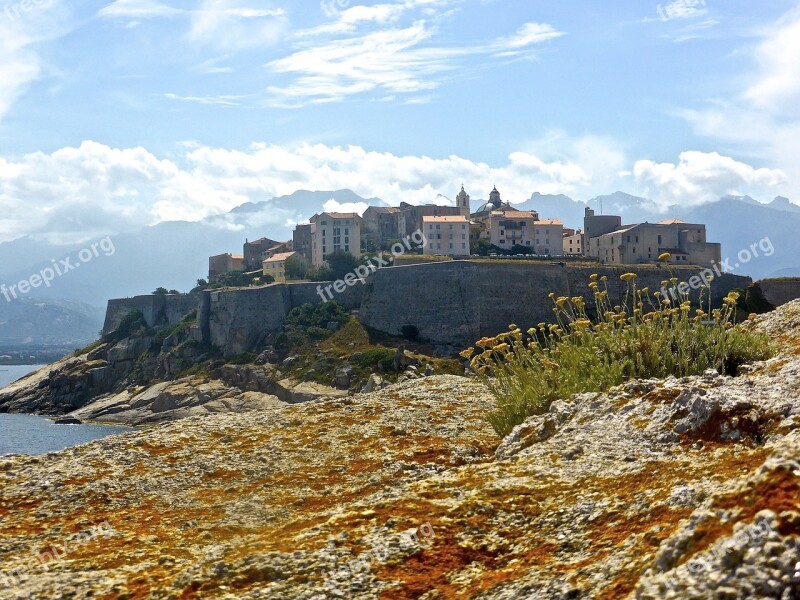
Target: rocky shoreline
x=659, y=489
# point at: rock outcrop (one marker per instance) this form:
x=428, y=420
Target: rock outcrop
x=658, y=489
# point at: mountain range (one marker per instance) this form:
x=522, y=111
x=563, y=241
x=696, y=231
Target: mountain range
x=175, y=254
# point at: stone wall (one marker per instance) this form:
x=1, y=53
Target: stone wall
x=233, y=320
x=451, y=304
x=457, y=303
x=153, y=307
x=780, y=291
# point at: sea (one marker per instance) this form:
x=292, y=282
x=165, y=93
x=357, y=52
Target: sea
x=30, y=434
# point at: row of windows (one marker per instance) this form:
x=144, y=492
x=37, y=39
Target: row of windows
x=347, y=222
x=335, y=248
x=528, y=242
x=439, y=226
x=438, y=236
x=439, y=246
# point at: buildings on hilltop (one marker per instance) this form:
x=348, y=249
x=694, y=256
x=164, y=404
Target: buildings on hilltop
x=446, y=235
x=608, y=241
x=332, y=232
x=450, y=229
x=254, y=252
x=224, y=263
x=573, y=242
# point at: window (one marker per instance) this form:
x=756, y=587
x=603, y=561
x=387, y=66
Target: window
x=637, y=239
x=502, y=232
x=463, y=246
x=347, y=248
x=451, y=246
x=659, y=239
x=629, y=239
x=438, y=226
x=430, y=246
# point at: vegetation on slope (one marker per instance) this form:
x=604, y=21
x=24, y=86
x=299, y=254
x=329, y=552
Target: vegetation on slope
x=647, y=336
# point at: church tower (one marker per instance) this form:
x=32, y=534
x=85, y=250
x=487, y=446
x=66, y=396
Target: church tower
x=494, y=198
x=462, y=202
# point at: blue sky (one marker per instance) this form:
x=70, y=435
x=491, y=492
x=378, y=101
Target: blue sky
x=124, y=113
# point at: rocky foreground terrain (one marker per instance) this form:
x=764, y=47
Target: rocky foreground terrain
x=659, y=489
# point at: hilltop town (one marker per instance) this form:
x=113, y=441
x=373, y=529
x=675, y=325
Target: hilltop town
x=495, y=229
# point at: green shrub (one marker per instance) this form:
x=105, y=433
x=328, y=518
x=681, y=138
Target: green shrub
x=309, y=323
x=648, y=336
x=131, y=324
x=375, y=357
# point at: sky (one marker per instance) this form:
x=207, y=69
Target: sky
x=119, y=114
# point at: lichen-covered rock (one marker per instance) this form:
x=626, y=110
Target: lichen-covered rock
x=658, y=489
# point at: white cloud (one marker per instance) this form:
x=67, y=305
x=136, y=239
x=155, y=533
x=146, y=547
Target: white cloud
x=387, y=61
x=777, y=86
x=227, y=25
x=23, y=27
x=84, y=192
x=681, y=9
x=345, y=207
x=760, y=116
x=701, y=177
x=528, y=35
x=138, y=9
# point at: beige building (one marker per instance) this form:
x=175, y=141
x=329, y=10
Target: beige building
x=447, y=236
x=275, y=266
x=645, y=242
x=549, y=237
x=573, y=242
x=224, y=263
x=508, y=228
x=332, y=231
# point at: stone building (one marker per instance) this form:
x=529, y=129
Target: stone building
x=332, y=231
x=381, y=225
x=574, y=242
x=447, y=236
x=645, y=242
x=508, y=228
x=223, y=263
x=410, y=216
x=301, y=240
x=254, y=251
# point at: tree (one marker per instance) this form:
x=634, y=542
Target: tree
x=296, y=268
x=480, y=246
x=160, y=291
x=341, y=263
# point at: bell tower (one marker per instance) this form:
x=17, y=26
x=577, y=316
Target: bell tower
x=462, y=202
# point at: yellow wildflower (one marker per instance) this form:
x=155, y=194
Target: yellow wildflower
x=664, y=257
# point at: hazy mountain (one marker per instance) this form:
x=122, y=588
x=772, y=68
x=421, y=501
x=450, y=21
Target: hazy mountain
x=172, y=255
x=48, y=323
x=559, y=206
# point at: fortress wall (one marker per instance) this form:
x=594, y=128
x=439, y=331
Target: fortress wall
x=237, y=319
x=152, y=307
x=450, y=303
x=440, y=299
x=780, y=291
